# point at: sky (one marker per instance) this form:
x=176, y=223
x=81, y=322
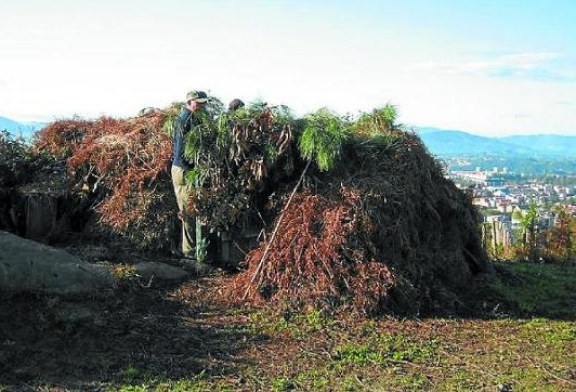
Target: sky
x=491, y=67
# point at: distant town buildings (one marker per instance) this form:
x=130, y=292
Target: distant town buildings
x=504, y=198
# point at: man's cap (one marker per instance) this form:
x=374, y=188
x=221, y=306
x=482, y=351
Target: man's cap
x=196, y=95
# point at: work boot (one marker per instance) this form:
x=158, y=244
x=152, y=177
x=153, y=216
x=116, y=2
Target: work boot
x=189, y=257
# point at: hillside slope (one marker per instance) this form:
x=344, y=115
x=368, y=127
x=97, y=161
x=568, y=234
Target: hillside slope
x=25, y=130
x=458, y=143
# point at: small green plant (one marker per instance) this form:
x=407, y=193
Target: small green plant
x=363, y=354
x=350, y=384
x=366, y=327
x=462, y=380
x=131, y=373
x=133, y=388
x=188, y=386
x=413, y=382
x=123, y=272
x=312, y=321
x=298, y=325
x=196, y=383
x=262, y=322
x=312, y=379
x=551, y=331
x=379, y=127
x=281, y=384
x=386, y=349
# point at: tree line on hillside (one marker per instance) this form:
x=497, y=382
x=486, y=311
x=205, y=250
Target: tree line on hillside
x=534, y=241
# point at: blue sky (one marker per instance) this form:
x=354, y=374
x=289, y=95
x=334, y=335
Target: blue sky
x=488, y=67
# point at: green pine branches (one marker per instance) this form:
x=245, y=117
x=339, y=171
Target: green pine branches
x=322, y=139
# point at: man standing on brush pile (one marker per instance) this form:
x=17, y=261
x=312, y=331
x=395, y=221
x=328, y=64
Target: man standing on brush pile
x=188, y=119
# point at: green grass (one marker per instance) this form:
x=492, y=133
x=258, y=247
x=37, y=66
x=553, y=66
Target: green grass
x=384, y=350
x=296, y=325
x=537, y=289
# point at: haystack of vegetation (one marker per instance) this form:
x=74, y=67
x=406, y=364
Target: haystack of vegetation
x=120, y=164
x=375, y=227
x=355, y=213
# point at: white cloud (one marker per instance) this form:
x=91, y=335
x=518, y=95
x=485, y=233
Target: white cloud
x=544, y=67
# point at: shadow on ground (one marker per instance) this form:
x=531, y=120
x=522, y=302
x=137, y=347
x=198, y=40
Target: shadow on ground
x=524, y=290
x=138, y=334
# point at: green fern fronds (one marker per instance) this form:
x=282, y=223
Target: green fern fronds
x=171, y=117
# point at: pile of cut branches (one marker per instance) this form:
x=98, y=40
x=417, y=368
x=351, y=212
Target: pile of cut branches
x=356, y=213
x=122, y=165
x=381, y=230
x=21, y=167
x=17, y=161
x=321, y=258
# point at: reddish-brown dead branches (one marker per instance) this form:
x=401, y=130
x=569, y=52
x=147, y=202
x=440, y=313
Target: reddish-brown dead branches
x=318, y=260
x=123, y=157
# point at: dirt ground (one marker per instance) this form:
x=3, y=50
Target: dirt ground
x=163, y=332
x=171, y=332
x=148, y=331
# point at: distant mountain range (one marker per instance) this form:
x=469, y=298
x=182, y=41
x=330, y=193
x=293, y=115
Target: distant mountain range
x=16, y=128
x=443, y=142
x=440, y=142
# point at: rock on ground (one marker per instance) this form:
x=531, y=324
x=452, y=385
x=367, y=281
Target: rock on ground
x=28, y=266
x=160, y=271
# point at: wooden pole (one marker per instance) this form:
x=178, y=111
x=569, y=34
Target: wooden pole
x=273, y=236
x=494, y=239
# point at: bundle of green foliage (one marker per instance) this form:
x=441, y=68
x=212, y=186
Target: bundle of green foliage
x=235, y=158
